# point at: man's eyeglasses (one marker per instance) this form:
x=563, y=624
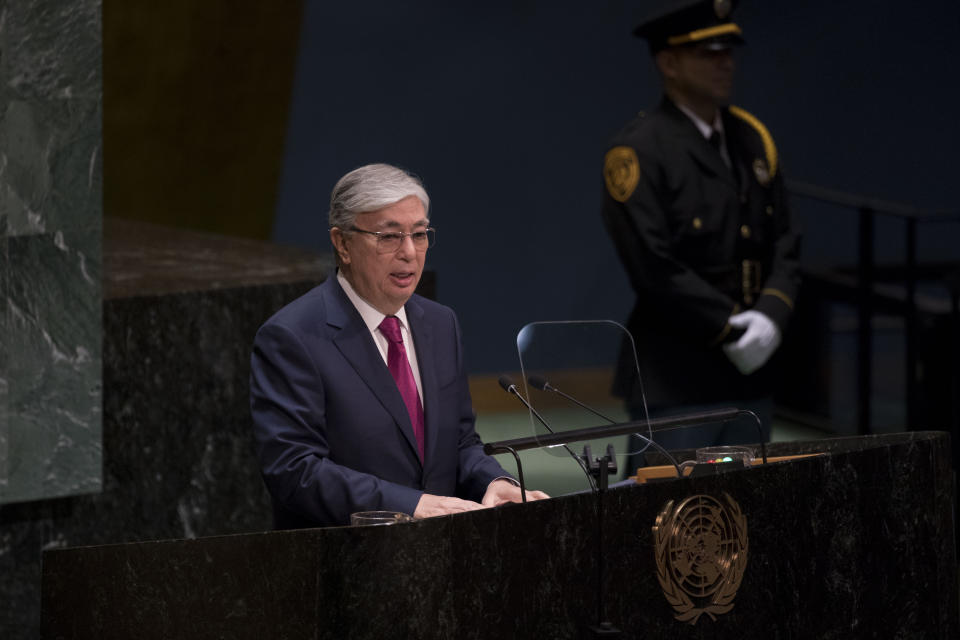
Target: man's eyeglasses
x=390, y=241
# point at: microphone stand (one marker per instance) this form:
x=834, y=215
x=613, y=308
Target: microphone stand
x=603, y=628
x=505, y=449
x=601, y=468
x=507, y=384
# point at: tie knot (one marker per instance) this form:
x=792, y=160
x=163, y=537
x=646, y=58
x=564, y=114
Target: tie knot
x=390, y=327
x=716, y=139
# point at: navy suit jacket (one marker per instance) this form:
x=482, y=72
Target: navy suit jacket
x=332, y=432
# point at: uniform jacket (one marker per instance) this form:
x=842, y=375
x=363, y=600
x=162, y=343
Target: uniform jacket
x=332, y=432
x=700, y=241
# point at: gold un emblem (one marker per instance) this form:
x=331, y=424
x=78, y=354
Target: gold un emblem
x=701, y=553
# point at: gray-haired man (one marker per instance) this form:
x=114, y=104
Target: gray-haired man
x=358, y=389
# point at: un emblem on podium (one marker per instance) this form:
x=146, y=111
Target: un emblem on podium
x=701, y=553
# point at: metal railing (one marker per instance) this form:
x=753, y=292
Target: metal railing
x=868, y=208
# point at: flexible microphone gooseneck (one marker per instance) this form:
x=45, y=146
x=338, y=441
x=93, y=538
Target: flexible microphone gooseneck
x=539, y=382
x=507, y=384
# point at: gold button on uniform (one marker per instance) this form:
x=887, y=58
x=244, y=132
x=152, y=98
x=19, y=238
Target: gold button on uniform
x=697, y=223
x=745, y=231
x=769, y=209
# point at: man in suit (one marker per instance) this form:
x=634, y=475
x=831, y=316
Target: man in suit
x=694, y=202
x=358, y=389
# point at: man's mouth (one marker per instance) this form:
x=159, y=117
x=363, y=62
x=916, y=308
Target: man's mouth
x=402, y=278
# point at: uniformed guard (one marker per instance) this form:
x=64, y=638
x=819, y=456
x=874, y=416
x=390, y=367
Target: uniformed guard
x=694, y=202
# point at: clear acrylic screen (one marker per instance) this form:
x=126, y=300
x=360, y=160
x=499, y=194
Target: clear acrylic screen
x=582, y=360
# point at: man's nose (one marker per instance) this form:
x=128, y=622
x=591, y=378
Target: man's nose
x=727, y=60
x=406, y=249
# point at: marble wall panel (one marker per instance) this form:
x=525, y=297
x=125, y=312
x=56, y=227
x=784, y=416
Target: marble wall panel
x=178, y=448
x=50, y=100
x=51, y=209
x=4, y=359
x=54, y=417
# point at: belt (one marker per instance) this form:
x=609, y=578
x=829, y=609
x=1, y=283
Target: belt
x=745, y=279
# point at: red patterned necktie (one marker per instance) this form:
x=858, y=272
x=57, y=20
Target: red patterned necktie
x=400, y=369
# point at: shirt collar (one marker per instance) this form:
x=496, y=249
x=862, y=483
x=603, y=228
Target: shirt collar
x=704, y=128
x=371, y=316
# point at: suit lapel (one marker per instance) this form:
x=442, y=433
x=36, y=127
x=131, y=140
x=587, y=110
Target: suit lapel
x=353, y=340
x=426, y=352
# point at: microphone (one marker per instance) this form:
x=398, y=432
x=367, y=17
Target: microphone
x=506, y=383
x=539, y=382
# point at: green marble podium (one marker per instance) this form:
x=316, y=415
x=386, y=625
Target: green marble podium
x=858, y=542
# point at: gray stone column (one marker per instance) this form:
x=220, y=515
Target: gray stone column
x=51, y=210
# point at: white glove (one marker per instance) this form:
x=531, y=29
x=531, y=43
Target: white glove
x=760, y=339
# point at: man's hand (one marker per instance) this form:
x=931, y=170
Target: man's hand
x=502, y=491
x=758, y=342
x=431, y=505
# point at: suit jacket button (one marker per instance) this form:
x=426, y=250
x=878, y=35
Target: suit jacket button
x=745, y=231
x=697, y=223
x=769, y=209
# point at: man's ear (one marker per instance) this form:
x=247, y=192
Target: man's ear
x=666, y=62
x=339, y=242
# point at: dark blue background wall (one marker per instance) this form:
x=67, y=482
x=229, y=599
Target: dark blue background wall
x=504, y=109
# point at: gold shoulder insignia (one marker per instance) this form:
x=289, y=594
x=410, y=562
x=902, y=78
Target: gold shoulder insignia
x=769, y=148
x=621, y=172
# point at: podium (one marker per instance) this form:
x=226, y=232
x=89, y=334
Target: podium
x=858, y=542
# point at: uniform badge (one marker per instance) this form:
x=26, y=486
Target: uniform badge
x=701, y=553
x=761, y=170
x=621, y=172
x=722, y=8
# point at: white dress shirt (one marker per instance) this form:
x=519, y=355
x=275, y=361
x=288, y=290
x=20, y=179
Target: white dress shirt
x=372, y=318
x=708, y=130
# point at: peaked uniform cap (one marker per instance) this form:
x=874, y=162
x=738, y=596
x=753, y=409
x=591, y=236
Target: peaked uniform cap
x=680, y=22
